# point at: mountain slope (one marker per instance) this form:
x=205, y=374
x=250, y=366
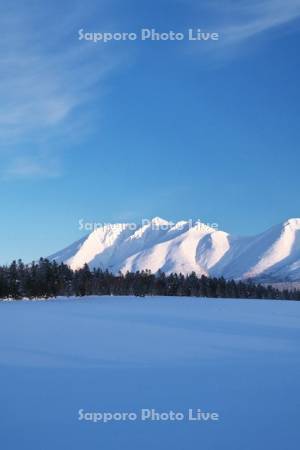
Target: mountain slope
x=180, y=247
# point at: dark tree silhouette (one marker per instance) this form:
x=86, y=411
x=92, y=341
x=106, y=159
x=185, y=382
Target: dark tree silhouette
x=46, y=278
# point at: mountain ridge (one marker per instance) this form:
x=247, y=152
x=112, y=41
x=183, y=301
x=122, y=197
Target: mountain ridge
x=189, y=247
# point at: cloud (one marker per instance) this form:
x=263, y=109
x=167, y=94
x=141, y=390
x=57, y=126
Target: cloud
x=51, y=83
x=31, y=168
x=246, y=19
x=47, y=80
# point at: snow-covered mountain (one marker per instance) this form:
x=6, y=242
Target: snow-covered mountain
x=181, y=247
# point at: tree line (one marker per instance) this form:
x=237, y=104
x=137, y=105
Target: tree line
x=44, y=279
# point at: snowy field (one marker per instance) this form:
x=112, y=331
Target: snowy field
x=240, y=359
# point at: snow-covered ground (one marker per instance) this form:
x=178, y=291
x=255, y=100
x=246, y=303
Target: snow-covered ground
x=240, y=359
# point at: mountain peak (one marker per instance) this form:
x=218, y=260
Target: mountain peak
x=159, y=221
x=293, y=223
x=186, y=247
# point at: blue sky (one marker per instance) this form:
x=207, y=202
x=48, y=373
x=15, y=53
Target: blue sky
x=130, y=130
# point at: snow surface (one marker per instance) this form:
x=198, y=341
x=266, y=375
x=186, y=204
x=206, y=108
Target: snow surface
x=236, y=357
x=271, y=256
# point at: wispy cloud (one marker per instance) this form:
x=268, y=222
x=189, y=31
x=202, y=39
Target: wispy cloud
x=46, y=79
x=261, y=16
x=249, y=18
x=32, y=167
x=49, y=81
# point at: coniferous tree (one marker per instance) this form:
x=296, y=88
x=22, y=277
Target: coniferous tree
x=48, y=279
